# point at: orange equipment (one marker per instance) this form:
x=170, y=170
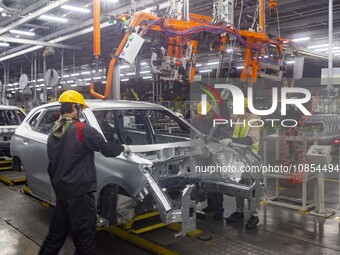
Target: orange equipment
x=179, y=59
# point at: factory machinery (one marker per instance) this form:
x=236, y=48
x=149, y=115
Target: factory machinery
x=175, y=61
x=316, y=140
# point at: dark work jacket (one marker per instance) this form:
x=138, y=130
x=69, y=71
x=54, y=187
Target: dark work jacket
x=71, y=167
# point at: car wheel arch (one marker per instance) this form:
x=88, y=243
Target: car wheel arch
x=18, y=164
x=107, y=200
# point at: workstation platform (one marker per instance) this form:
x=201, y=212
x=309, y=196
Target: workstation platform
x=282, y=230
x=12, y=177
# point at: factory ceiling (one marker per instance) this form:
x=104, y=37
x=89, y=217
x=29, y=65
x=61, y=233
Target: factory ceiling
x=69, y=31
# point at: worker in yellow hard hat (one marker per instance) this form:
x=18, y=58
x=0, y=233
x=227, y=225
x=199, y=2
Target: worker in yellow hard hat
x=246, y=132
x=72, y=96
x=70, y=149
x=204, y=122
x=200, y=108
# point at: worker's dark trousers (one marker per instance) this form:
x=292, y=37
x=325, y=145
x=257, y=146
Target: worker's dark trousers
x=248, y=179
x=215, y=201
x=77, y=215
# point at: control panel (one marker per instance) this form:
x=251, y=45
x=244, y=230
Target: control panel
x=132, y=48
x=319, y=154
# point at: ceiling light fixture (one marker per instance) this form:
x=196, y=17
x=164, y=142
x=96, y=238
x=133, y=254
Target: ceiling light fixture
x=197, y=65
x=19, y=32
x=124, y=79
x=3, y=44
x=317, y=46
x=301, y=39
x=147, y=77
x=290, y=62
x=326, y=49
x=53, y=18
x=239, y=67
x=205, y=71
x=212, y=63
x=144, y=72
x=74, y=8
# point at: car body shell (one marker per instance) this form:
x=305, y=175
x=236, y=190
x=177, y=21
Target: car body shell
x=144, y=177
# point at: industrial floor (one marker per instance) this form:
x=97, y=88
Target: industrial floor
x=24, y=223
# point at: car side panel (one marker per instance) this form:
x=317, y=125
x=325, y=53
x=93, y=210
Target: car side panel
x=122, y=170
x=34, y=158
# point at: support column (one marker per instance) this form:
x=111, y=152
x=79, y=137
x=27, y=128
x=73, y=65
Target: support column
x=35, y=80
x=330, y=42
x=45, y=84
x=115, y=88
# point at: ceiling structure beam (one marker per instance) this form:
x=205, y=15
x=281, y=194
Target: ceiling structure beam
x=296, y=6
x=36, y=26
x=35, y=42
x=20, y=50
x=303, y=14
x=139, y=5
x=34, y=15
x=307, y=22
x=29, y=9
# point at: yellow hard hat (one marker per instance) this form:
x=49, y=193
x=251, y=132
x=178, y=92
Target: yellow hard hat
x=199, y=107
x=245, y=102
x=72, y=96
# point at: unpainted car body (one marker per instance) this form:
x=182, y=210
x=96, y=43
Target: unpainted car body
x=160, y=173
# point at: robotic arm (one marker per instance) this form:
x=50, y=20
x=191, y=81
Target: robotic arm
x=177, y=62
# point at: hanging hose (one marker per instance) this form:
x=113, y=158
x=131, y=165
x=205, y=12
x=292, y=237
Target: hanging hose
x=96, y=32
x=298, y=176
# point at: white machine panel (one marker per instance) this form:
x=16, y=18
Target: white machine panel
x=132, y=48
x=335, y=76
x=319, y=154
x=298, y=68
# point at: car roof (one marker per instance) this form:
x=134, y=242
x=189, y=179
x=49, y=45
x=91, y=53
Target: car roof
x=97, y=104
x=9, y=107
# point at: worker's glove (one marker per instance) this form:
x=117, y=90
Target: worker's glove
x=127, y=149
x=226, y=141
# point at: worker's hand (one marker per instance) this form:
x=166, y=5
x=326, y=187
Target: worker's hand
x=226, y=141
x=127, y=149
